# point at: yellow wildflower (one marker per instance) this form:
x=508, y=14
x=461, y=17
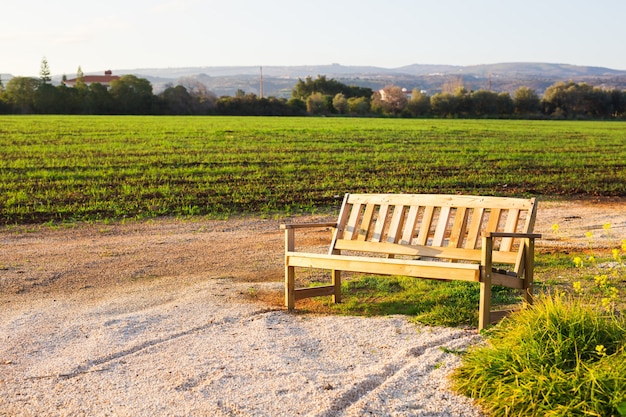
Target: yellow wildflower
x=578, y=262
x=577, y=287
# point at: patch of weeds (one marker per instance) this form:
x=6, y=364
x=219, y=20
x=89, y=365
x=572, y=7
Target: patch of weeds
x=458, y=352
x=252, y=292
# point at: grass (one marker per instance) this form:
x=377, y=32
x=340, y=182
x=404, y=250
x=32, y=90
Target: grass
x=109, y=168
x=430, y=302
x=559, y=358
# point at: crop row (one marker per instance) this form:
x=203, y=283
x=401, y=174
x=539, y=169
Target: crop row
x=59, y=168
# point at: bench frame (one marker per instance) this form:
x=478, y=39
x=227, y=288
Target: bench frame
x=463, y=237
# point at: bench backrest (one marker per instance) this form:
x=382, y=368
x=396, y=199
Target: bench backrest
x=437, y=226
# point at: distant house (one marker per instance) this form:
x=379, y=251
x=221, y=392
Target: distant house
x=105, y=79
x=383, y=94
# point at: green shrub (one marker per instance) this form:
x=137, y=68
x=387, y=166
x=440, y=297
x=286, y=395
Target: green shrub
x=561, y=357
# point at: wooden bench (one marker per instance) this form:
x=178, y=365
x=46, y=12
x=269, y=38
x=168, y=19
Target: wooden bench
x=447, y=237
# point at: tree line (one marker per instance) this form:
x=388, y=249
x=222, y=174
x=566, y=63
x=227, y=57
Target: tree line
x=321, y=96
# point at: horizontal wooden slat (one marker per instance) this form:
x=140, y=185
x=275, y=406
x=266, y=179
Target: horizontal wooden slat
x=427, y=251
x=302, y=293
x=516, y=235
x=386, y=266
x=507, y=281
x=497, y=315
x=442, y=200
x=307, y=225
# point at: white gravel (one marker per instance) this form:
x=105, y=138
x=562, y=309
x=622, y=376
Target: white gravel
x=201, y=350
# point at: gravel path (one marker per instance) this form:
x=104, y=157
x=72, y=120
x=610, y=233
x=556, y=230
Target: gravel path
x=199, y=351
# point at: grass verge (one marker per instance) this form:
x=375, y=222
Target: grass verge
x=560, y=357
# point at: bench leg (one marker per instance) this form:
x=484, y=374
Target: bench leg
x=290, y=287
x=529, y=265
x=290, y=271
x=484, y=310
x=336, y=281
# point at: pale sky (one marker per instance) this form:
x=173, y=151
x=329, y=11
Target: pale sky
x=129, y=34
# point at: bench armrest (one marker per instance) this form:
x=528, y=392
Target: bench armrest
x=290, y=232
x=307, y=225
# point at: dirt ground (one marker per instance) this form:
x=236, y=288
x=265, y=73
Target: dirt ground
x=42, y=261
x=185, y=317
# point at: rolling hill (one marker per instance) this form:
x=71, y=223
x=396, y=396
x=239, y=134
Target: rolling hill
x=278, y=81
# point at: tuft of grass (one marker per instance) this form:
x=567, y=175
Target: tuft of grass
x=560, y=357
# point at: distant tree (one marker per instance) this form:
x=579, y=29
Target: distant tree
x=316, y=104
x=229, y=106
x=4, y=105
x=574, y=100
x=44, y=72
x=444, y=105
x=47, y=100
x=68, y=101
x=21, y=93
x=203, y=99
x=327, y=87
x=296, y=106
x=340, y=103
x=505, y=104
x=463, y=102
x=484, y=103
x=101, y=99
x=618, y=103
x=419, y=104
x=177, y=101
x=132, y=95
x=359, y=105
x=80, y=78
x=526, y=101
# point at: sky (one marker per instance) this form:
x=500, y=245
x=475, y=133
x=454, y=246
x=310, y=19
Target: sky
x=132, y=34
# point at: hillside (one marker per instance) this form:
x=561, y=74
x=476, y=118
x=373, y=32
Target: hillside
x=279, y=80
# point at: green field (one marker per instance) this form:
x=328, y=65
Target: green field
x=68, y=168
